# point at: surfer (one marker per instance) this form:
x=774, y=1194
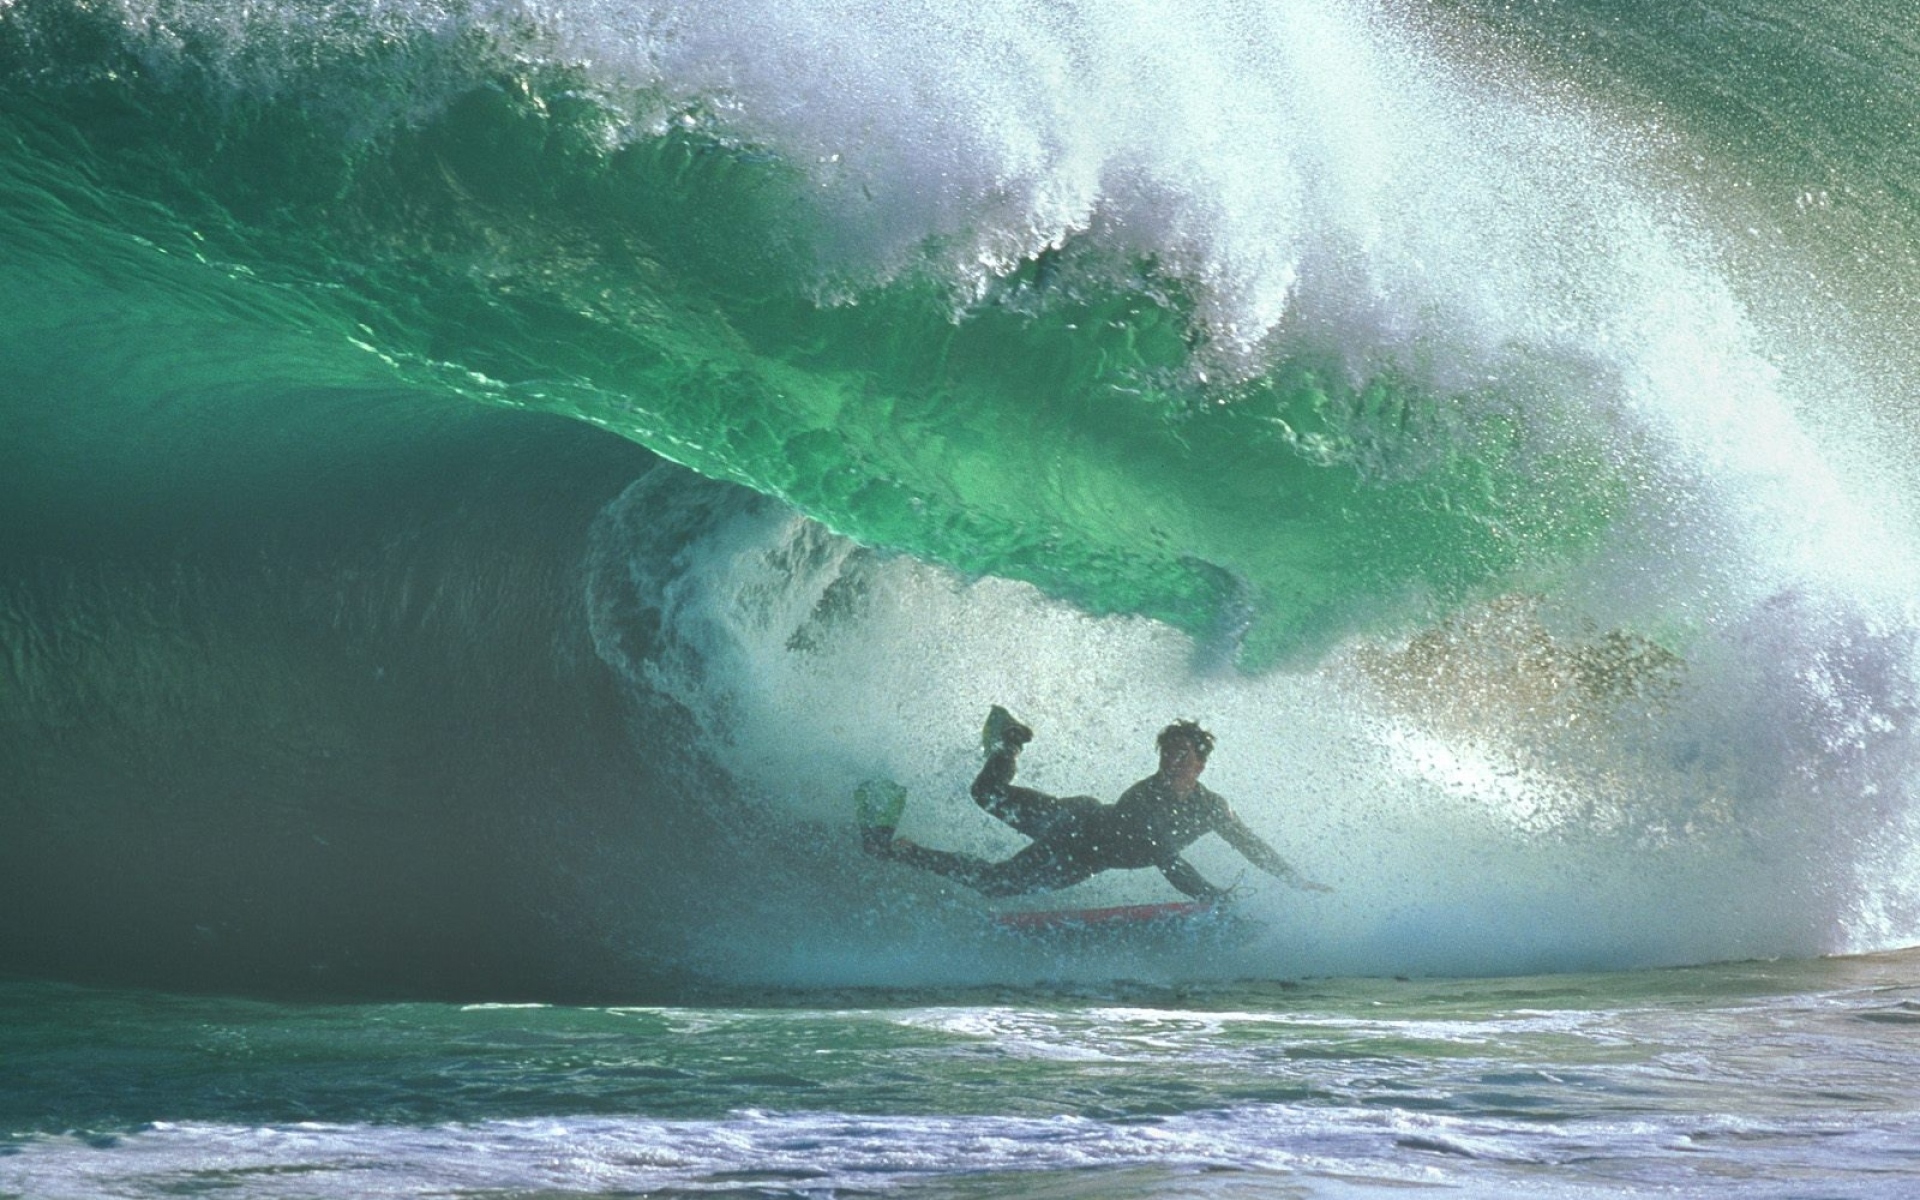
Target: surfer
x=1077, y=837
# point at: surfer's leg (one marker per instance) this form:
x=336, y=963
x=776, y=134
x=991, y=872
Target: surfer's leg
x=1029, y=811
x=1038, y=868
x=1042, y=817
x=963, y=868
x=1034, y=813
x=1035, y=869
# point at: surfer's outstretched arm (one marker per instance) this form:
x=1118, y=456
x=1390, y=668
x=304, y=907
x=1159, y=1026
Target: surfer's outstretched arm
x=1182, y=875
x=1257, y=852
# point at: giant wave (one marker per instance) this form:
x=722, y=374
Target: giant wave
x=1506, y=460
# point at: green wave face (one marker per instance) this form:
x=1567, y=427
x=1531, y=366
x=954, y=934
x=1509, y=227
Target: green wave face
x=429, y=203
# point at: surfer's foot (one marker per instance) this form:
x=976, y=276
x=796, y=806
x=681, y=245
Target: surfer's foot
x=1003, y=732
x=880, y=803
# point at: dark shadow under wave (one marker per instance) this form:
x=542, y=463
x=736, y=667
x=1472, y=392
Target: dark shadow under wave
x=310, y=705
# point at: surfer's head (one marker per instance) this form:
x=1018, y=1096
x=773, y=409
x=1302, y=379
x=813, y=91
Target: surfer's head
x=1184, y=747
x=1188, y=734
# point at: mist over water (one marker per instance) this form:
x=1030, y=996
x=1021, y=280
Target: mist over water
x=1493, y=800
x=1508, y=463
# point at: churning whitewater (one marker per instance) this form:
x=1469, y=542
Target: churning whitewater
x=485, y=481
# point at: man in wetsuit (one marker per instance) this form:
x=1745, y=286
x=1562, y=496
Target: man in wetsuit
x=1076, y=837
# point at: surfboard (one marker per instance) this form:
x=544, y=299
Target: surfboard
x=1116, y=918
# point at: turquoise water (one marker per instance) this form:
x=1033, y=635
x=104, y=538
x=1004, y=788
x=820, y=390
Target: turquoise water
x=482, y=482
x=1760, y=1079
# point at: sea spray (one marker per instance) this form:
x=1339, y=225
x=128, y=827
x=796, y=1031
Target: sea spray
x=1512, y=793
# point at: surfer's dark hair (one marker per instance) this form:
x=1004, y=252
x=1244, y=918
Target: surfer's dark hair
x=1185, y=733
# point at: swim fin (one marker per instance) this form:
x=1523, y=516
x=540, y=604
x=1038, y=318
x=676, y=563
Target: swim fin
x=879, y=803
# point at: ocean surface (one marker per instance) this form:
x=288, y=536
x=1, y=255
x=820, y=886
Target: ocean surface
x=482, y=481
x=1790, y=1079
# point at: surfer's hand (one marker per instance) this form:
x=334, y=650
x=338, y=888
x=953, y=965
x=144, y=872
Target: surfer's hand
x=1220, y=895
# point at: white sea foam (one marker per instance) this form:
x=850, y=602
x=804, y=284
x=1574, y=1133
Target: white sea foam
x=1329, y=1150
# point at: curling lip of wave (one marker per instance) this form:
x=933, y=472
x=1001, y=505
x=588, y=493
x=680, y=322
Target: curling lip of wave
x=1231, y=357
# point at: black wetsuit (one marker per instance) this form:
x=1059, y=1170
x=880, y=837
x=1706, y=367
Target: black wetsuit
x=1075, y=837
